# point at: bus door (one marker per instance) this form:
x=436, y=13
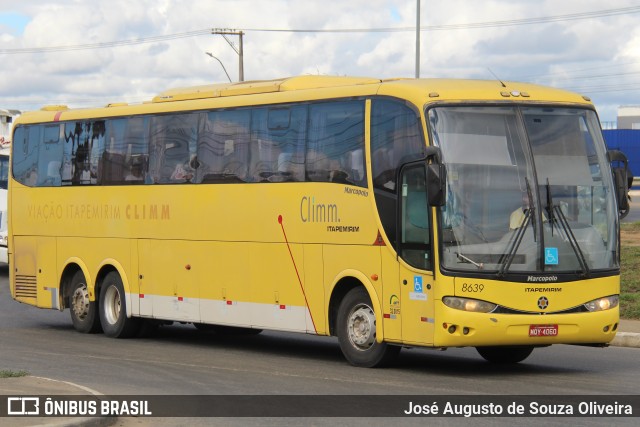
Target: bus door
x=414, y=251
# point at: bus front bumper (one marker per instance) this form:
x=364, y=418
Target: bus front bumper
x=462, y=329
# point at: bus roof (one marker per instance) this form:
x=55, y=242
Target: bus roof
x=300, y=88
x=446, y=89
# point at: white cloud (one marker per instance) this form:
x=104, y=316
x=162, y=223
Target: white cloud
x=593, y=56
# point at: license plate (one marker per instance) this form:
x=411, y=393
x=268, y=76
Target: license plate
x=543, y=330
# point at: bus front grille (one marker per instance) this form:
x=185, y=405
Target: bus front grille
x=26, y=287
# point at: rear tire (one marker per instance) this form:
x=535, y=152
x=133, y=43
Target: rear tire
x=113, y=309
x=356, y=325
x=84, y=312
x=505, y=354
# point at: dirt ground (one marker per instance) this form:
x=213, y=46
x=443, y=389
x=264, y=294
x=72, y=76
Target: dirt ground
x=630, y=237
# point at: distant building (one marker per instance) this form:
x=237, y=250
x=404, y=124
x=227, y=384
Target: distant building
x=627, y=141
x=6, y=123
x=629, y=117
x=626, y=135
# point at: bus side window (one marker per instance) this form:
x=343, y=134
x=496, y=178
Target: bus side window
x=173, y=147
x=396, y=137
x=125, y=148
x=83, y=145
x=223, y=146
x=415, y=234
x=265, y=149
x=50, y=158
x=25, y=154
x=336, y=143
x=278, y=142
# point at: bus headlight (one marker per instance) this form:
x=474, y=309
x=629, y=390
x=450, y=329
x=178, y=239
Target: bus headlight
x=600, y=304
x=468, y=304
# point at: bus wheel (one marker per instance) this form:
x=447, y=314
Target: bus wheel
x=113, y=312
x=83, y=311
x=504, y=354
x=357, y=332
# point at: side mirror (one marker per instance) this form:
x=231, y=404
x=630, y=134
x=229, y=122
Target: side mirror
x=620, y=178
x=617, y=156
x=621, y=187
x=436, y=177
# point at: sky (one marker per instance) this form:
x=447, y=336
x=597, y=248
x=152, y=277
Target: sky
x=84, y=53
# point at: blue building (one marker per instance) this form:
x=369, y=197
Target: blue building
x=627, y=141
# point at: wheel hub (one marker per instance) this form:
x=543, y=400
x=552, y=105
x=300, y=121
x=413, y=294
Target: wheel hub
x=362, y=327
x=112, y=305
x=80, y=302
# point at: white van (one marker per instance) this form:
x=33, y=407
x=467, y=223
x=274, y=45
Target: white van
x=4, y=180
x=6, y=126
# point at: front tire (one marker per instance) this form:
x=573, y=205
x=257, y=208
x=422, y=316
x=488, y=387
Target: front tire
x=505, y=354
x=84, y=312
x=113, y=309
x=356, y=325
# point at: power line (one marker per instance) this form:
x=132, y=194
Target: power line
x=103, y=45
x=604, y=87
x=542, y=20
x=595, y=76
x=449, y=27
x=490, y=24
x=576, y=70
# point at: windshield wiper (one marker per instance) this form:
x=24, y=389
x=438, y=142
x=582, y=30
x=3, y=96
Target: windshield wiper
x=529, y=216
x=532, y=208
x=515, y=244
x=470, y=261
x=549, y=208
x=556, y=215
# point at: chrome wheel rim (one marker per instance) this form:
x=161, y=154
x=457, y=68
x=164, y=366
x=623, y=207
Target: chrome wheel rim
x=80, y=302
x=112, y=305
x=361, y=327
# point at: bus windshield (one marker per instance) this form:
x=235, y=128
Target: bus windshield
x=528, y=190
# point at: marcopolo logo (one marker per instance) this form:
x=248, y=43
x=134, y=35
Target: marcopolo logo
x=542, y=278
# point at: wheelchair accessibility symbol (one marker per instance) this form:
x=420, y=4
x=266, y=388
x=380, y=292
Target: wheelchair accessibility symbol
x=551, y=256
x=417, y=284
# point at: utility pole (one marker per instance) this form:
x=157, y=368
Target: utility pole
x=418, y=40
x=224, y=32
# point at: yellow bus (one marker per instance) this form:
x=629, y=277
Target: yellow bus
x=389, y=213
